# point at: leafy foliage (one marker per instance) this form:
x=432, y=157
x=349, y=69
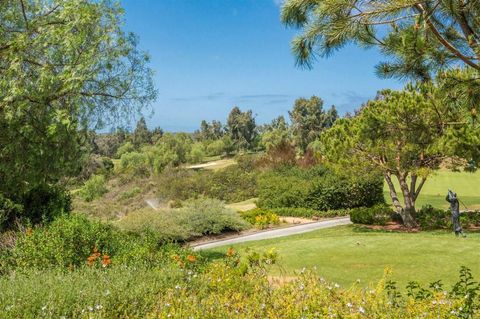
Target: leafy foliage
x=309, y=120
x=376, y=215
x=195, y=218
x=56, y=83
x=308, y=212
x=241, y=128
x=433, y=218
x=419, y=38
x=94, y=188
x=317, y=188
x=261, y=218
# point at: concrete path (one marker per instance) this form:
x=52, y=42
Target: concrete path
x=274, y=233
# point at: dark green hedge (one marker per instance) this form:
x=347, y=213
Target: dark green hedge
x=308, y=213
x=433, y=218
x=318, y=189
x=376, y=215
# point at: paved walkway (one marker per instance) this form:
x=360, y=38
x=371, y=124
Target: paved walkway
x=274, y=233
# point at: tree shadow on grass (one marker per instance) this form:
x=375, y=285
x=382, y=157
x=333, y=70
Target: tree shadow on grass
x=211, y=255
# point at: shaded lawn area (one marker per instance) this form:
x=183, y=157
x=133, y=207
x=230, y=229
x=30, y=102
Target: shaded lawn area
x=435, y=189
x=347, y=253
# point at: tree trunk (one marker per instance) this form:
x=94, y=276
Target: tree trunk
x=393, y=193
x=409, y=198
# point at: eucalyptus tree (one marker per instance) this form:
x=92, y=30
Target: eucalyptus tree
x=65, y=66
x=309, y=120
x=401, y=134
x=241, y=128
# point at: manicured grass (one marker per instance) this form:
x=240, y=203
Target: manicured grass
x=435, y=189
x=345, y=254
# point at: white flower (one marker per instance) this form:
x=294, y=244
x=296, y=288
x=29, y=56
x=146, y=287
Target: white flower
x=301, y=287
x=349, y=305
x=177, y=287
x=44, y=308
x=167, y=304
x=90, y=308
x=98, y=307
x=337, y=286
x=361, y=310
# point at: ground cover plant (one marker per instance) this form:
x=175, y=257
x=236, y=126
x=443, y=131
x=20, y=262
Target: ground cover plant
x=232, y=285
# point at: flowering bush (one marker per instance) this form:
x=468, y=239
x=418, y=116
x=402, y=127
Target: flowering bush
x=261, y=218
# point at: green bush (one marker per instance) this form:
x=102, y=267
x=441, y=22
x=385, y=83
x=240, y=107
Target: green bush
x=232, y=184
x=135, y=163
x=195, y=218
x=204, y=216
x=67, y=241
x=165, y=225
x=197, y=153
x=44, y=203
x=317, y=188
x=130, y=193
x=9, y=211
x=124, y=149
x=261, y=218
x=376, y=215
x=94, y=188
x=309, y=213
x=430, y=218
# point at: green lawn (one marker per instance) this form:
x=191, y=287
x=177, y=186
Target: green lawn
x=345, y=254
x=467, y=186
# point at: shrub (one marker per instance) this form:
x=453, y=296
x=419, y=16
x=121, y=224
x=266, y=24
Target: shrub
x=9, y=211
x=94, y=188
x=261, y=218
x=67, y=241
x=130, y=193
x=309, y=213
x=124, y=149
x=205, y=216
x=45, y=202
x=376, y=215
x=231, y=184
x=164, y=226
x=216, y=147
x=430, y=218
x=135, y=163
x=197, y=153
x=195, y=218
x=96, y=165
x=317, y=188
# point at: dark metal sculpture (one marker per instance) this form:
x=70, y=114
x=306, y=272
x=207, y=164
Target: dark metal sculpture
x=455, y=209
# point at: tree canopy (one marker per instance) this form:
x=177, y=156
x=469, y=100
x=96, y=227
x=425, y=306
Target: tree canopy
x=419, y=37
x=401, y=134
x=242, y=128
x=65, y=67
x=309, y=120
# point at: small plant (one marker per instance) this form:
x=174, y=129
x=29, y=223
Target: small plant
x=130, y=193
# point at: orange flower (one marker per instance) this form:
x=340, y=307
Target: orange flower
x=29, y=231
x=106, y=261
x=191, y=258
x=176, y=257
x=230, y=252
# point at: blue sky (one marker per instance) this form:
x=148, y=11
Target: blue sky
x=210, y=55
